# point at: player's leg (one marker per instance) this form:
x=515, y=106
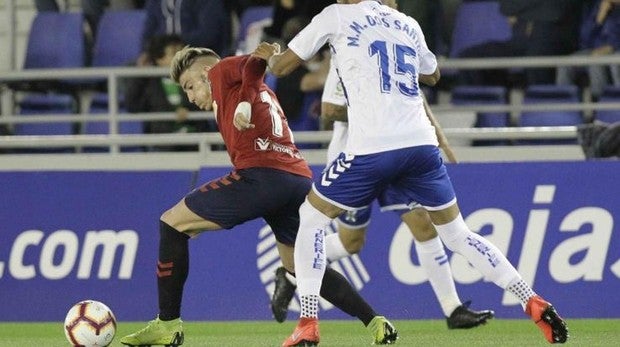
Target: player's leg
x=175, y=227
x=335, y=288
x=212, y=206
x=492, y=263
x=345, y=185
x=351, y=235
x=349, y=239
x=435, y=192
x=434, y=260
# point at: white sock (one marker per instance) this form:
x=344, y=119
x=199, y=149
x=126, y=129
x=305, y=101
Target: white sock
x=521, y=290
x=291, y=278
x=481, y=253
x=310, y=260
x=309, y=306
x=334, y=249
x=434, y=260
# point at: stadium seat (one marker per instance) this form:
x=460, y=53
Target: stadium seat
x=551, y=94
x=478, y=22
x=610, y=94
x=99, y=105
x=271, y=81
x=251, y=25
x=484, y=95
x=46, y=104
x=475, y=23
x=45, y=50
x=119, y=38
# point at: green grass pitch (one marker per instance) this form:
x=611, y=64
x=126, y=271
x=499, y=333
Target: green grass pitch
x=433, y=333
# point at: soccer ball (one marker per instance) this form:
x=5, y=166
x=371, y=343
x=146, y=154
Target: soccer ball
x=90, y=323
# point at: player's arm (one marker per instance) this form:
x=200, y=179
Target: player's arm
x=441, y=137
x=431, y=79
x=332, y=112
x=251, y=81
x=280, y=64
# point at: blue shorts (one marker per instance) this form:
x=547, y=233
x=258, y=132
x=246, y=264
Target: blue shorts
x=247, y=194
x=406, y=175
x=389, y=200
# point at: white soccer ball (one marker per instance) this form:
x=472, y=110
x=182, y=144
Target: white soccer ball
x=90, y=323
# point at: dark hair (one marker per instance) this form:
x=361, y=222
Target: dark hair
x=156, y=47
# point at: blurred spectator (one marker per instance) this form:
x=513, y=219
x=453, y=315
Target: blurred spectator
x=600, y=35
x=93, y=10
x=310, y=77
x=200, y=23
x=161, y=94
x=436, y=18
x=600, y=139
x=539, y=28
x=239, y=6
x=283, y=10
x=48, y=5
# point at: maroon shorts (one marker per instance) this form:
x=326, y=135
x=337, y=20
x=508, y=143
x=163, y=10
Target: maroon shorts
x=247, y=194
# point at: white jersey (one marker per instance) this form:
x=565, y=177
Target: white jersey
x=378, y=53
x=333, y=93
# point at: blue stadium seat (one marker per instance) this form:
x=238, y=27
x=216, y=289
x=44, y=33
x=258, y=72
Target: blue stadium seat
x=478, y=22
x=610, y=94
x=271, y=80
x=551, y=94
x=251, y=23
x=46, y=104
x=45, y=49
x=99, y=105
x=484, y=95
x=119, y=38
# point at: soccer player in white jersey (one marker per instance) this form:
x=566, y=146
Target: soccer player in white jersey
x=380, y=55
x=352, y=225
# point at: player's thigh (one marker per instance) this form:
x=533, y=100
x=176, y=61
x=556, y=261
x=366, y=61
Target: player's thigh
x=281, y=194
x=420, y=224
x=350, y=182
x=410, y=212
x=425, y=179
x=181, y=218
x=244, y=195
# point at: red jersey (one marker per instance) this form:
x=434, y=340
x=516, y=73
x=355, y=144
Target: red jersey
x=270, y=142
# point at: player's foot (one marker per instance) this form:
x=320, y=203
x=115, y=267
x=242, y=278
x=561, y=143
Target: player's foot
x=306, y=333
x=464, y=318
x=282, y=295
x=545, y=316
x=383, y=332
x=157, y=333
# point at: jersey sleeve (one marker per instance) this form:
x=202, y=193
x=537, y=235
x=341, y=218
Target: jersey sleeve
x=252, y=78
x=308, y=41
x=333, y=92
x=225, y=74
x=428, y=61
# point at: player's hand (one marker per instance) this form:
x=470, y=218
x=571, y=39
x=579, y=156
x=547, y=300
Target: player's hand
x=266, y=50
x=243, y=116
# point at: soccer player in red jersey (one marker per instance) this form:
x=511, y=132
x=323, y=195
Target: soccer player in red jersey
x=270, y=180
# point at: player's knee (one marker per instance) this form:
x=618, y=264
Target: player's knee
x=419, y=224
x=353, y=240
x=354, y=246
